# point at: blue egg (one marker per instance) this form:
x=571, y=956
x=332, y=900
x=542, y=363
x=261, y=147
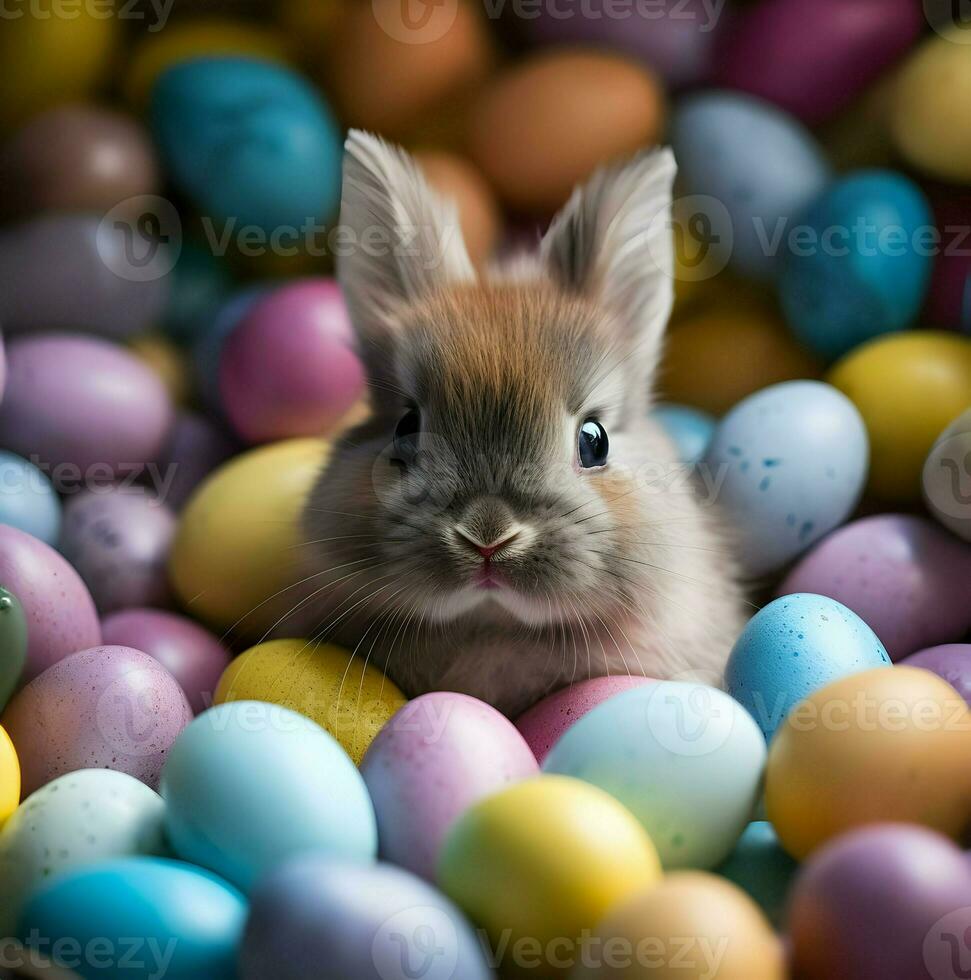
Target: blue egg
x=758, y=167
x=249, y=784
x=866, y=263
x=689, y=428
x=138, y=918
x=791, y=648
x=28, y=500
x=248, y=140
x=787, y=465
x=367, y=922
x=200, y=283
x=760, y=867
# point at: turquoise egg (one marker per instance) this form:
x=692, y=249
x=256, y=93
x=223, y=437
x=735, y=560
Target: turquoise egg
x=865, y=265
x=199, y=285
x=138, y=918
x=689, y=429
x=28, y=500
x=794, y=646
x=249, y=784
x=760, y=866
x=684, y=758
x=248, y=140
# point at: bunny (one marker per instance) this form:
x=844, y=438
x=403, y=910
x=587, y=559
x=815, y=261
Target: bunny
x=506, y=521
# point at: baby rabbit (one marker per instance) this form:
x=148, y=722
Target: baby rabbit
x=508, y=520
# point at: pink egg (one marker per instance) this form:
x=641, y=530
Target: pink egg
x=289, y=368
x=106, y=708
x=191, y=654
x=435, y=758
x=544, y=723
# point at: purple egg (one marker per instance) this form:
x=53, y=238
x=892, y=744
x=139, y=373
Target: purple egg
x=949, y=296
x=814, y=58
x=195, y=447
x=886, y=902
x=952, y=661
x=118, y=539
x=191, y=654
x=436, y=757
x=61, y=616
x=105, y=708
x=907, y=578
x=86, y=407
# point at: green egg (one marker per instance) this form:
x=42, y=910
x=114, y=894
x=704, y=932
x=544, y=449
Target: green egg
x=13, y=644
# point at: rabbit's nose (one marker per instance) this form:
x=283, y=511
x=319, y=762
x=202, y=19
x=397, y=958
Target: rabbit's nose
x=469, y=540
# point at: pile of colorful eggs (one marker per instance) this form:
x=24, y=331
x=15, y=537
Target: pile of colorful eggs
x=182, y=797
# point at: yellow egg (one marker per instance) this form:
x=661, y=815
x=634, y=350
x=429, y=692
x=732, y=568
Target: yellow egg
x=692, y=926
x=544, y=860
x=168, y=362
x=908, y=387
x=891, y=744
x=235, y=560
x=9, y=778
x=349, y=698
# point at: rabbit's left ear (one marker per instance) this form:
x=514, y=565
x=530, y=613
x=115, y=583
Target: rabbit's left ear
x=613, y=243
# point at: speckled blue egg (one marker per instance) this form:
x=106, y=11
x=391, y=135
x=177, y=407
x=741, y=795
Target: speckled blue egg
x=690, y=429
x=27, y=499
x=140, y=918
x=788, y=465
x=794, y=646
x=760, y=866
x=248, y=140
x=754, y=162
x=865, y=265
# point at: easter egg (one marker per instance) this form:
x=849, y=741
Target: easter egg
x=199, y=284
x=947, y=477
x=881, y=746
x=684, y=758
x=740, y=155
x=301, y=387
x=77, y=272
x=673, y=930
x=195, y=447
x=433, y=760
x=762, y=869
x=908, y=579
x=346, y=696
x=9, y=778
x=950, y=661
x=78, y=819
x=523, y=126
x=309, y=912
x=690, y=429
x=28, y=500
x=191, y=654
x=166, y=360
x=103, y=708
x=907, y=387
x=792, y=460
x=248, y=140
x=189, y=923
x=547, y=720
x=949, y=296
x=881, y=903
x=298, y=789
x=13, y=644
x=545, y=860
x=865, y=265
x=841, y=45
x=233, y=557
x=59, y=621
x=717, y=357
x=118, y=539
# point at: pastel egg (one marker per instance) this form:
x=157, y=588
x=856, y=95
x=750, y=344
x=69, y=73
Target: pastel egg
x=946, y=476
x=690, y=429
x=28, y=500
x=684, y=758
x=907, y=578
x=9, y=778
x=195, y=447
x=78, y=819
x=233, y=562
x=13, y=644
x=198, y=285
x=60, y=620
x=104, y=708
x=303, y=387
x=792, y=461
x=166, y=360
x=433, y=760
x=791, y=648
x=739, y=154
x=866, y=263
x=545, y=860
x=544, y=723
x=118, y=539
x=191, y=654
x=881, y=746
x=85, y=406
x=182, y=914
x=346, y=696
x=762, y=869
x=309, y=911
x=297, y=787
x=907, y=387
x=950, y=661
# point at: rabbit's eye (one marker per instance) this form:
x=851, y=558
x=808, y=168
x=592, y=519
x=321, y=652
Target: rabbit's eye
x=592, y=444
x=406, y=435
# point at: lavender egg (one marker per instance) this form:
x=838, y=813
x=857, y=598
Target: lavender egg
x=952, y=661
x=195, y=447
